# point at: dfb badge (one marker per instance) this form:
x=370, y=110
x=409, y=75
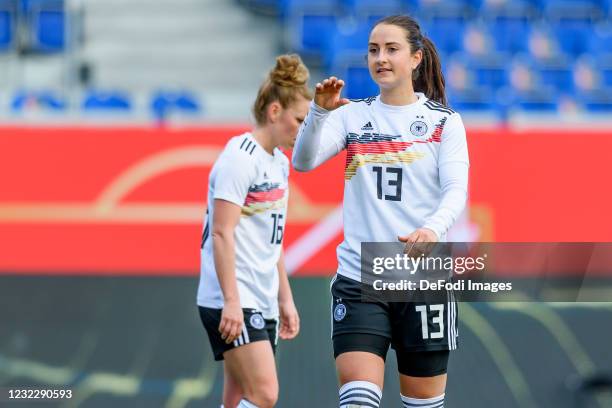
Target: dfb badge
x=339, y=312
x=418, y=128
x=257, y=321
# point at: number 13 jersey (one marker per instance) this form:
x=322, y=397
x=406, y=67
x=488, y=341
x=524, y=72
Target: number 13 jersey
x=246, y=175
x=406, y=168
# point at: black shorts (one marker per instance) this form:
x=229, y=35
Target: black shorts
x=409, y=327
x=255, y=328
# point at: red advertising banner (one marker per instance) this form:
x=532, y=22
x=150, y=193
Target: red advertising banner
x=131, y=200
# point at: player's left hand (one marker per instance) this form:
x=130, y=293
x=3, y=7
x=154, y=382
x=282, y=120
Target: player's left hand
x=289, y=320
x=420, y=242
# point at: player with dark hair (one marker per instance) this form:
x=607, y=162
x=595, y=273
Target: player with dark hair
x=406, y=179
x=243, y=285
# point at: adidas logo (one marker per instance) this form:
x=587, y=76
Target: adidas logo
x=367, y=126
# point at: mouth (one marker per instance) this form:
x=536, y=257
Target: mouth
x=381, y=70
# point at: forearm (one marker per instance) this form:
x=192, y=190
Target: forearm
x=309, y=152
x=454, y=179
x=284, y=289
x=225, y=262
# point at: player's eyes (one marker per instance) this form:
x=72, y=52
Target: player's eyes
x=372, y=50
x=392, y=49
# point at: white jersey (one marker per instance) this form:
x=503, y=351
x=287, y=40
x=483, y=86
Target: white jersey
x=406, y=168
x=246, y=175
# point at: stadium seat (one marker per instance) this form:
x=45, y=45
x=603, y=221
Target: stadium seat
x=514, y=9
x=106, y=101
x=353, y=69
x=372, y=8
x=473, y=100
x=537, y=100
x=573, y=36
x=510, y=34
x=542, y=43
x=350, y=41
x=600, y=41
x=558, y=75
x=597, y=101
x=310, y=30
x=443, y=8
x=478, y=41
x=288, y=8
x=47, y=25
x=572, y=9
x=7, y=25
x=489, y=72
x=37, y=100
x=446, y=34
x=164, y=102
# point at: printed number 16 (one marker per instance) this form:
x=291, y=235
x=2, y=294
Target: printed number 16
x=277, y=229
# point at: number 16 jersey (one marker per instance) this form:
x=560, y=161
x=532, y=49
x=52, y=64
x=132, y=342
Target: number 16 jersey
x=248, y=176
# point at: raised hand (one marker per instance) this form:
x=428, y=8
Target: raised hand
x=327, y=94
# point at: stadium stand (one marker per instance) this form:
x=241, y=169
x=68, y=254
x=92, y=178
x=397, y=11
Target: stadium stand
x=542, y=40
x=500, y=56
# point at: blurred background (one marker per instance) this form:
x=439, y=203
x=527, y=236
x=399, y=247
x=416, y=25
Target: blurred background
x=112, y=113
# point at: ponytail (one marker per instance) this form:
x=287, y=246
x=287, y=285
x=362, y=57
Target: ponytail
x=427, y=77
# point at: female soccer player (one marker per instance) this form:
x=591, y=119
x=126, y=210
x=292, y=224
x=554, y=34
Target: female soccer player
x=243, y=284
x=405, y=178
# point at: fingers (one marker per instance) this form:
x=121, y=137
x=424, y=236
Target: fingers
x=290, y=327
x=332, y=84
x=230, y=328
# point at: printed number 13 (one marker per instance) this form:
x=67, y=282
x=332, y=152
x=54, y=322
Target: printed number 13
x=397, y=182
x=439, y=320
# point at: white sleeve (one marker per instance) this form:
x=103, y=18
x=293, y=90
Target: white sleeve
x=232, y=182
x=453, y=165
x=321, y=137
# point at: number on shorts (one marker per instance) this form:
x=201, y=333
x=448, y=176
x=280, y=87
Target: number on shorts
x=439, y=320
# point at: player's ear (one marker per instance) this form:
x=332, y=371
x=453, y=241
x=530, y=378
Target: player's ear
x=274, y=111
x=417, y=57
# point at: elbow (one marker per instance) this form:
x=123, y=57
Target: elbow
x=301, y=167
x=221, y=234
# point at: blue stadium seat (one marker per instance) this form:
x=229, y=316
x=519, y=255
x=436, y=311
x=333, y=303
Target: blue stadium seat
x=37, y=100
x=537, y=100
x=473, y=100
x=510, y=34
x=310, y=30
x=164, y=102
x=447, y=35
x=573, y=36
x=373, y=7
x=489, y=73
x=597, y=101
x=572, y=9
x=543, y=44
x=600, y=41
x=47, y=25
x=443, y=8
x=354, y=71
x=557, y=75
x=106, y=101
x=8, y=13
x=292, y=7
x=514, y=9
x=350, y=41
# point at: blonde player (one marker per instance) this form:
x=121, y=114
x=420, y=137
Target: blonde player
x=243, y=286
x=406, y=179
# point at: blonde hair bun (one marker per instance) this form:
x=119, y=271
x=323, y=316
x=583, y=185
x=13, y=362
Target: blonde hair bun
x=289, y=71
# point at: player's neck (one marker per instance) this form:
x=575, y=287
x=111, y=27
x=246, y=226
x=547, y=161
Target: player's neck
x=398, y=96
x=263, y=137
